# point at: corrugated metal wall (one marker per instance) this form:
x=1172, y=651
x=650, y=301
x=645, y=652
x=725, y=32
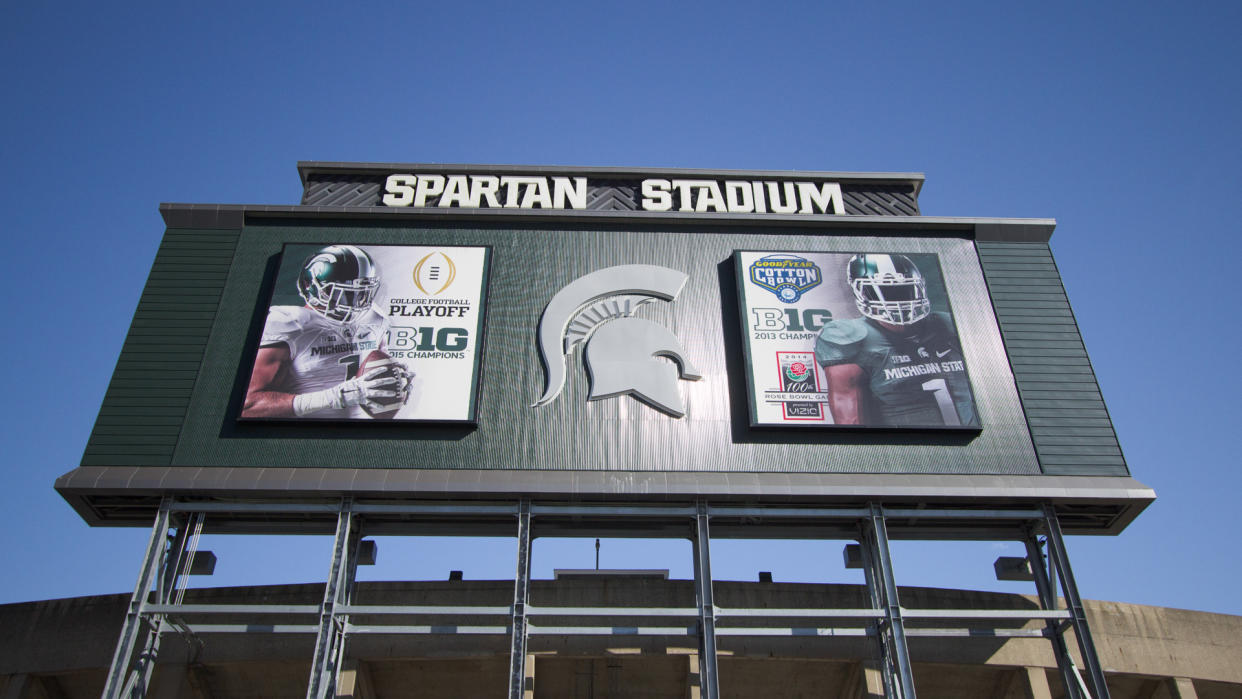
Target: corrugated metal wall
x=1069, y=422
x=146, y=402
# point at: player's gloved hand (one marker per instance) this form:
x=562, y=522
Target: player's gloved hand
x=380, y=387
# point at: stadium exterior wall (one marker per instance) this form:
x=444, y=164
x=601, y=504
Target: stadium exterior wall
x=61, y=648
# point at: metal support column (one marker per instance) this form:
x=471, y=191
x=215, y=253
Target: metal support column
x=1078, y=615
x=331, y=634
x=1048, y=600
x=877, y=535
x=345, y=595
x=875, y=597
x=709, y=684
x=517, y=625
x=137, y=603
x=169, y=589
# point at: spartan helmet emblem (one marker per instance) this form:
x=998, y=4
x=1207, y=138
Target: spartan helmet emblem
x=623, y=353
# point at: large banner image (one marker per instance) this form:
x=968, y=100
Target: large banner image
x=371, y=332
x=860, y=340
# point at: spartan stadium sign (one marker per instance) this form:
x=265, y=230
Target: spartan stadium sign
x=682, y=195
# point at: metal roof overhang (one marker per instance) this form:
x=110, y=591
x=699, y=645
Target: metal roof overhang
x=283, y=499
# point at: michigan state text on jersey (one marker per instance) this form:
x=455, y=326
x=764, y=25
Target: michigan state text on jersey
x=911, y=375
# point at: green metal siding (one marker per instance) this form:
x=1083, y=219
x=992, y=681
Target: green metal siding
x=1069, y=422
x=142, y=413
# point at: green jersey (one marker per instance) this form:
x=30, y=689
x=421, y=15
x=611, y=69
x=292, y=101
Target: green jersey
x=916, y=375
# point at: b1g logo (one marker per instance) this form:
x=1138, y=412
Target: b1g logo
x=787, y=276
x=434, y=273
x=409, y=339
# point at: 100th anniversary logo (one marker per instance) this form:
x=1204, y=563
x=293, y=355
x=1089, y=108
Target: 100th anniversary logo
x=787, y=276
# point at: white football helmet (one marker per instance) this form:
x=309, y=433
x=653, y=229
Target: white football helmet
x=889, y=288
x=339, y=282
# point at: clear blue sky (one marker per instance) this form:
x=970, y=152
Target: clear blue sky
x=1119, y=121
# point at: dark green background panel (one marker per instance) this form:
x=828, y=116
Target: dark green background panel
x=529, y=265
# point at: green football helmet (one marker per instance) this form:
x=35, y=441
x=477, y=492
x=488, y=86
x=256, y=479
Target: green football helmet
x=339, y=282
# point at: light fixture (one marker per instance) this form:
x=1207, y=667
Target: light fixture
x=1013, y=568
x=853, y=556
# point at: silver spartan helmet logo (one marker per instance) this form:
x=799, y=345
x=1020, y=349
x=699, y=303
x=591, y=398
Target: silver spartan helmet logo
x=622, y=352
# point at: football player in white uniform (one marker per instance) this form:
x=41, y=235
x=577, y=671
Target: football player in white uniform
x=309, y=358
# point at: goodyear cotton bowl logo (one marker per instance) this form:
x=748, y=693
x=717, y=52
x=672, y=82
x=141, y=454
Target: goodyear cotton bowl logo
x=787, y=276
x=434, y=273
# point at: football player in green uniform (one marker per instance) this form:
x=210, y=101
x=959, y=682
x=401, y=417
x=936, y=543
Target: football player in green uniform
x=900, y=364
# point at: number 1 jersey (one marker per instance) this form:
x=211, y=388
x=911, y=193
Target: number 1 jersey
x=916, y=376
x=323, y=353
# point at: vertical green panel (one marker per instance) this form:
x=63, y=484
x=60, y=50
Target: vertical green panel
x=1069, y=421
x=140, y=419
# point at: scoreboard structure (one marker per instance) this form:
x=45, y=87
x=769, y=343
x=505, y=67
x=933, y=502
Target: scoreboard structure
x=551, y=351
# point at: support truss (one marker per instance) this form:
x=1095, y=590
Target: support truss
x=157, y=606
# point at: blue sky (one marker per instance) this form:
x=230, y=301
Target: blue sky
x=1119, y=120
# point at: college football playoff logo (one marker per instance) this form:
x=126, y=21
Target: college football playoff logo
x=622, y=352
x=434, y=273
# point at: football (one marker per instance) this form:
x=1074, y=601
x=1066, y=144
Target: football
x=392, y=368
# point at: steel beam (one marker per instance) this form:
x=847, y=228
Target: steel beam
x=330, y=632
x=886, y=585
x=169, y=591
x=943, y=513
x=398, y=629
x=709, y=684
x=134, y=615
x=235, y=608
x=611, y=511
x=878, y=627
x=521, y=588
x=810, y=613
x=532, y=610
x=1048, y=600
x=614, y=630
x=794, y=631
x=253, y=628
x=1078, y=614
x=847, y=513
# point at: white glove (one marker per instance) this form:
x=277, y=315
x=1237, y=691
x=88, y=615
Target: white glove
x=381, y=389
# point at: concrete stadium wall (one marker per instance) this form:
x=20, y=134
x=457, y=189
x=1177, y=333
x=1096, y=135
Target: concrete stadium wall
x=61, y=648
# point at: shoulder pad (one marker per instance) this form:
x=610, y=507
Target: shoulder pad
x=839, y=341
x=284, y=322
x=373, y=318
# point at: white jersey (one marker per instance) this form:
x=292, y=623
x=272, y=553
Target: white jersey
x=324, y=353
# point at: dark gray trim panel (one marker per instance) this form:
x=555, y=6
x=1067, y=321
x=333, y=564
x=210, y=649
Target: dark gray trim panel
x=1114, y=501
x=203, y=216
x=999, y=229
